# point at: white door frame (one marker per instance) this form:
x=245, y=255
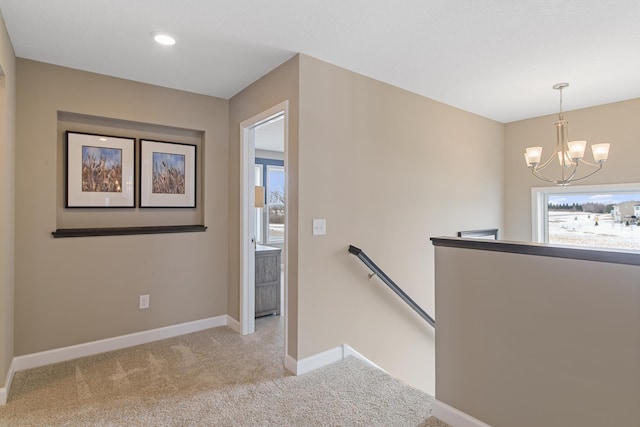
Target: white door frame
x=247, y=218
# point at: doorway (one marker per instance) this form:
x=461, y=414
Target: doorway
x=263, y=137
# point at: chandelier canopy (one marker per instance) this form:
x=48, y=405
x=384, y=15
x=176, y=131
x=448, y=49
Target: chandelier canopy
x=570, y=154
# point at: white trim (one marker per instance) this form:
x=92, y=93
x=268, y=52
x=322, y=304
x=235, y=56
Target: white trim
x=349, y=351
x=287, y=176
x=247, y=228
x=247, y=291
x=539, y=200
x=325, y=358
x=43, y=358
x=455, y=417
x=319, y=360
x=4, y=391
x=247, y=213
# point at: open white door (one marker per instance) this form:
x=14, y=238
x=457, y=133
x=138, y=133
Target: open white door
x=247, y=230
x=248, y=219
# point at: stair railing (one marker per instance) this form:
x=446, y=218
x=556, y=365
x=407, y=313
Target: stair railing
x=376, y=271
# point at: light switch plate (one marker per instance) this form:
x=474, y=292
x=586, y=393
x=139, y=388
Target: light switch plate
x=144, y=302
x=319, y=227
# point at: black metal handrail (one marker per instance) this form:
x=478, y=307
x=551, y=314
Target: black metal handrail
x=390, y=283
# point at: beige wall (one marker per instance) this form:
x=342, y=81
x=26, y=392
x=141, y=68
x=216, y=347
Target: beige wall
x=615, y=123
x=520, y=345
x=358, y=147
x=7, y=194
x=274, y=88
x=71, y=291
x=387, y=169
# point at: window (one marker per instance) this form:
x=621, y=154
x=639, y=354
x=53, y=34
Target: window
x=601, y=216
x=257, y=172
x=275, y=203
x=270, y=220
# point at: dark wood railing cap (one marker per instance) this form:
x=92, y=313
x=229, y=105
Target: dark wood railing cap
x=541, y=249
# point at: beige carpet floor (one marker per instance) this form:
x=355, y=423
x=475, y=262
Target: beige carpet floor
x=211, y=378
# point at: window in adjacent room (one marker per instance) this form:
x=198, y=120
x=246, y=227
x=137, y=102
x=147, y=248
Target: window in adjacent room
x=275, y=204
x=600, y=216
x=259, y=211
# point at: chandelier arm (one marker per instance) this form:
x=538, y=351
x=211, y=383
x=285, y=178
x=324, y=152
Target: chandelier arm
x=565, y=181
x=542, y=177
x=588, y=175
x=545, y=164
x=558, y=148
x=595, y=165
x=573, y=173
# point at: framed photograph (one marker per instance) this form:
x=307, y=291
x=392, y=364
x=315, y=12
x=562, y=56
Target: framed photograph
x=167, y=175
x=100, y=171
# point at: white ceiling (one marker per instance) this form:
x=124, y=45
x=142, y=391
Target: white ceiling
x=496, y=58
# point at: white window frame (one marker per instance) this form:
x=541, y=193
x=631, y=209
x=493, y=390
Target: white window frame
x=540, y=203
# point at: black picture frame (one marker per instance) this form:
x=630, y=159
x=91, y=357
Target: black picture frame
x=99, y=171
x=167, y=174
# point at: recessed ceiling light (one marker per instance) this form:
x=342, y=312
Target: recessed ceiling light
x=165, y=39
x=102, y=139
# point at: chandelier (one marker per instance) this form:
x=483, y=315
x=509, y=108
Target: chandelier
x=570, y=154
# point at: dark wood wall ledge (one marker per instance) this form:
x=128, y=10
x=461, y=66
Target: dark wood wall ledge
x=540, y=249
x=126, y=231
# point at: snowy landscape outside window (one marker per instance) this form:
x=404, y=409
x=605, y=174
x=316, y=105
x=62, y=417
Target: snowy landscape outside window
x=605, y=217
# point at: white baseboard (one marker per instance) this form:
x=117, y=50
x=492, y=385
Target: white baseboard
x=350, y=351
x=35, y=360
x=319, y=360
x=4, y=391
x=454, y=417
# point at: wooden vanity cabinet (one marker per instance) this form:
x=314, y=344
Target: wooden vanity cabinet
x=267, y=292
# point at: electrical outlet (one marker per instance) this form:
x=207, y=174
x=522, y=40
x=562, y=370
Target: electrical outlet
x=144, y=301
